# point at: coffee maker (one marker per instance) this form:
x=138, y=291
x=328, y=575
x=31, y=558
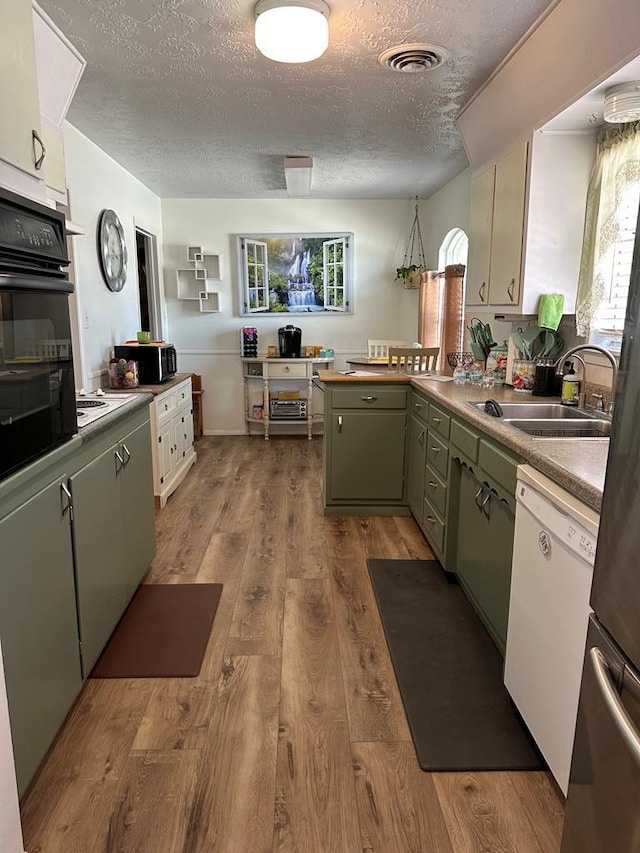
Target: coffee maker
x=290, y=341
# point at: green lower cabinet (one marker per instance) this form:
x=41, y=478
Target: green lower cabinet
x=364, y=448
x=38, y=625
x=417, y=448
x=484, y=548
x=114, y=536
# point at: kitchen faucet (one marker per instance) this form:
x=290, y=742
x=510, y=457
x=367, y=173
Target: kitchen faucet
x=594, y=348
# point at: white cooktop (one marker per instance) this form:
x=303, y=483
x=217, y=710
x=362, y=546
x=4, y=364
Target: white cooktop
x=95, y=404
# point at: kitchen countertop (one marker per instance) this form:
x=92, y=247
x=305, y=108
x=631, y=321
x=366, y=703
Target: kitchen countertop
x=151, y=389
x=578, y=465
x=104, y=423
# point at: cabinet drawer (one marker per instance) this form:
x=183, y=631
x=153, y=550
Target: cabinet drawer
x=437, y=454
x=465, y=440
x=420, y=407
x=369, y=398
x=183, y=394
x=434, y=526
x=287, y=371
x=435, y=491
x=166, y=405
x=439, y=421
x=498, y=465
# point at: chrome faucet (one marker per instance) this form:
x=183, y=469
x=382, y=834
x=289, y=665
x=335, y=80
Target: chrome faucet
x=594, y=348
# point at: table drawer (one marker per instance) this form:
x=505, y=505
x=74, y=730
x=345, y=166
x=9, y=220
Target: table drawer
x=434, y=526
x=435, y=490
x=287, y=371
x=437, y=454
x=439, y=421
x=465, y=440
x=369, y=398
x=420, y=407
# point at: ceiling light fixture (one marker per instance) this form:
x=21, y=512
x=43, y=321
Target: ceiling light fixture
x=297, y=174
x=622, y=102
x=292, y=30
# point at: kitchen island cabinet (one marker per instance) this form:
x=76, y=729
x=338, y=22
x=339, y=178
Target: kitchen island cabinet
x=364, y=448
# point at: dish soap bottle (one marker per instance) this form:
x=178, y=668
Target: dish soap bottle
x=570, y=395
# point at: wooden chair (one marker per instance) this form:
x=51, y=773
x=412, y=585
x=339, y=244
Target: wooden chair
x=379, y=350
x=196, y=399
x=413, y=359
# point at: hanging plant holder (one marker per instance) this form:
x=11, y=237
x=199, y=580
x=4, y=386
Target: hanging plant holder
x=414, y=262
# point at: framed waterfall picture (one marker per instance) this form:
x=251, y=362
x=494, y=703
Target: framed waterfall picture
x=295, y=273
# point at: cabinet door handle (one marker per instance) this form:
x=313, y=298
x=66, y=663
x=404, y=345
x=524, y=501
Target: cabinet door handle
x=510, y=289
x=421, y=438
x=368, y=398
x=478, y=494
x=432, y=484
x=127, y=459
x=38, y=160
x=339, y=423
x=119, y=460
x=430, y=519
x=481, y=291
x=434, y=449
x=67, y=506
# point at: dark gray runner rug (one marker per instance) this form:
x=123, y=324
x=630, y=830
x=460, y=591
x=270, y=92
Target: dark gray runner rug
x=449, y=672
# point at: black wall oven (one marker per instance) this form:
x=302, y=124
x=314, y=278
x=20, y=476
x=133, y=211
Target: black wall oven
x=37, y=393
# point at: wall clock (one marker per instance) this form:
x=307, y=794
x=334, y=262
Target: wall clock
x=112, y=250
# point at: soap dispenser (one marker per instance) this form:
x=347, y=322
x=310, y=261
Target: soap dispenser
x=570, y=395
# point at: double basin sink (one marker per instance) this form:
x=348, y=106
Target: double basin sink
x=550, y=420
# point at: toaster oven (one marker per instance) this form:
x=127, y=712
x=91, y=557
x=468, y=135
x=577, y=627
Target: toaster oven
x=291, y=410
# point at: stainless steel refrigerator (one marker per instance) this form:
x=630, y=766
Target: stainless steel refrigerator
x=603, y=802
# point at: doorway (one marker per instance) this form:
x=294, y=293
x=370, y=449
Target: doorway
x=148, y=284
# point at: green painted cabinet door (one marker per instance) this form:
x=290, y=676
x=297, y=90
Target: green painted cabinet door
x=417, y=444
x=38, y=623
x=367, y=455
x=484, y=550
x=99, y=552
x=138, y=509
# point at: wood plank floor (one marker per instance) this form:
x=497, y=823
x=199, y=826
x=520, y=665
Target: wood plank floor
x=293, y=736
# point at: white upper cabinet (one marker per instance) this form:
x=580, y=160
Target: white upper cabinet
x=526, y=223
x=44, y=70
x=19, y=106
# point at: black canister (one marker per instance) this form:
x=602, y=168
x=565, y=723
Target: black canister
x=544, y=380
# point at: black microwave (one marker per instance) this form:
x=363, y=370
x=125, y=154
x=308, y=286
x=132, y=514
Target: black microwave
x=156, y=362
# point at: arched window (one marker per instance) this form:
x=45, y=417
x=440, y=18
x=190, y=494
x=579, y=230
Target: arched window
x=454, y=249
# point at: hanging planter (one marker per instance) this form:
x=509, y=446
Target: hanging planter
x=414, y=263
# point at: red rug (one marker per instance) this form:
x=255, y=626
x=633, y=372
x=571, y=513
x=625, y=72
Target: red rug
x=163, y=633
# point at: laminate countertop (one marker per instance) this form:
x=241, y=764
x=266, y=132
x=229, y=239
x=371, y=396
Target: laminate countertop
x=576, y=464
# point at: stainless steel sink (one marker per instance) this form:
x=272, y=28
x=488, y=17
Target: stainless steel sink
x=536, y=411
x=588, y=427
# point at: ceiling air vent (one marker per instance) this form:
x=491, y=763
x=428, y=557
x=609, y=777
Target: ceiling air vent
x=413, y=58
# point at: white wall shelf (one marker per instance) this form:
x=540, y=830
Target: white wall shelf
x=192, y=282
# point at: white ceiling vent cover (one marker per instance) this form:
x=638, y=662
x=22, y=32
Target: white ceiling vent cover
x=413, y=58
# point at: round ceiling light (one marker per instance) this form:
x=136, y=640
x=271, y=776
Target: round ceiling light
x=622, y=102
x=292, y=30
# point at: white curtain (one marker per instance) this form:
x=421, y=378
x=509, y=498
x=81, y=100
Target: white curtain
x=615, y=172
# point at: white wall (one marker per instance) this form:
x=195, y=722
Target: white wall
x=104, y=318
x=444, y=210
x=209, y=344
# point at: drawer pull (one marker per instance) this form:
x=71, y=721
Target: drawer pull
x=436, y=420
x=417, y=405
x=368, y=398
x=286, y=368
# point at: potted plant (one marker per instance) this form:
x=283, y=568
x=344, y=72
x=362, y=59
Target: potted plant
x=409, y=274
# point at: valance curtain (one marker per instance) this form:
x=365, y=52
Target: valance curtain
x=441, y=311
x=616, y=170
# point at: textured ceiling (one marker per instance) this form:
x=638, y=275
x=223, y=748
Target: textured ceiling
x=176, y=92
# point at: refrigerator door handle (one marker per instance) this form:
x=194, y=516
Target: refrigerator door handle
x=616, y=709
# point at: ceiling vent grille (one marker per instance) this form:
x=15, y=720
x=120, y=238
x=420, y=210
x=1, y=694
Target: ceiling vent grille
x=413, y=58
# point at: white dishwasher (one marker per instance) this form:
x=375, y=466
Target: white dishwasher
x=553, y=554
